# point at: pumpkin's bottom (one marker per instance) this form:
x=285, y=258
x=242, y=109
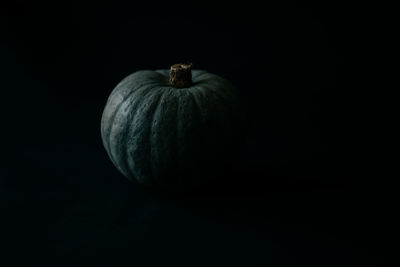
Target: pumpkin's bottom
x=202, y=173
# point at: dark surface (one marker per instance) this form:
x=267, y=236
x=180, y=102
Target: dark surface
x=300, y=196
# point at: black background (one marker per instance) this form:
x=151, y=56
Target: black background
x=298, y=196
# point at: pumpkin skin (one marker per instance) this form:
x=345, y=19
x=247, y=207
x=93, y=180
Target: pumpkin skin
x=168, y=137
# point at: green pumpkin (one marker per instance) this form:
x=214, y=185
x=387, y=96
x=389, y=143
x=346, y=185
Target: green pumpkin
x=161, y=135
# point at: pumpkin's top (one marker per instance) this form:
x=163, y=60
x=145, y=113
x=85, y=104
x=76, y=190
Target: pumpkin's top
x=180, y=75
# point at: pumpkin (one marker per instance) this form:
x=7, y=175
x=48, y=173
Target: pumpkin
x=172, y=128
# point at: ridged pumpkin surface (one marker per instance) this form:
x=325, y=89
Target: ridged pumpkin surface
x=161, y=135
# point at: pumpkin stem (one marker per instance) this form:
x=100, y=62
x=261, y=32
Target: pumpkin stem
x=180, y=75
